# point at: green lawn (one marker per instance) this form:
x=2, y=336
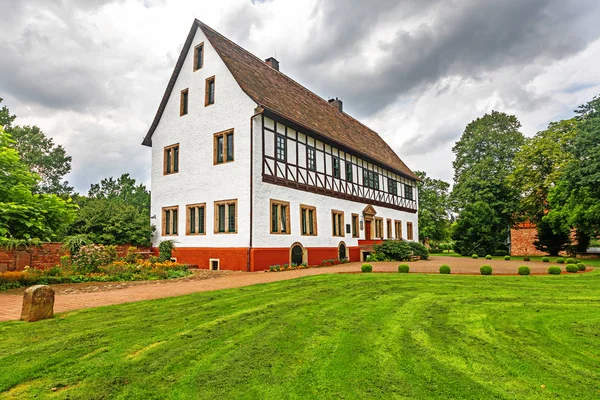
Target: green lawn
x=590, y=263
x=329, y=336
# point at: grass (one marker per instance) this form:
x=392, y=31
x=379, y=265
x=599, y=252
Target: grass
x=329, y=336
x=590, y=263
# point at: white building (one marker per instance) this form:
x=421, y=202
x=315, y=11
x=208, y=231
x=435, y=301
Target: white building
x=251, y=169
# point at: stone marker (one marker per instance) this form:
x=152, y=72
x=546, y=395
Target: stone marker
x=38, y=303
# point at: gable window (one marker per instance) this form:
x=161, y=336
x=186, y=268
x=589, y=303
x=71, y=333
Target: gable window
x=409, y=230
x=183, y=102
x=408, y=192
x=198, y=56
x=280, y=147
x=310, y=158
x=196, y=219
x=392, y=187
x=169, y=220
x=371, y=179
x=336, y=167
x=308, y=218
x=354, y=225
x=398, y=226
x=348, y=171
x=223, y=147
x=337, y=221
x=171, y=159
x=280, y=217
x=389, y=228
x=226, y=216
x=209, y=91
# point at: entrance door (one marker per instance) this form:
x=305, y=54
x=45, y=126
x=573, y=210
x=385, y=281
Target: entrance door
x=368, y=230
x=297, y=255
x=342, y=252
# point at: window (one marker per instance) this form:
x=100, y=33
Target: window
x=409, y=230
x=336, y=167
x=354, y=225
x=209, y=94
x=198, y=56
x=280, y=217
x=223, y=147
x=183, y=102
x=196, y=219
x=171, y=159
x=310, y=158
x=392, y=187
x=337, y=220
x=389, y=229
x=308, y=218
x=379, y=228
x=280, y=147
x=169, y=220
x=226, y=216
x=398, y=226
x=408, y=191
x=348, y=171
x=371, y=179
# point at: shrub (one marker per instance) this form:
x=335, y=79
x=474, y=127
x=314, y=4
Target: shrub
x=571, y=261
x=374, y=257
x=486, y=270
x=545, y=259
x=560, y=260
x=571, y=268
x=366, y=268
x=524, y=270
x=554, y=270
x=74, y=243
x=395, y=250
x=91, y=257
x=474, y=256
x=403, y=268
x=500, y=253
x=419, y=250
x=507, y=258
x=526, y=259
x=65, y=261
x=581, y=266
x=132, y=255
x=54, y=271
x=165, y=250
x=488, y=257
x=445, y=269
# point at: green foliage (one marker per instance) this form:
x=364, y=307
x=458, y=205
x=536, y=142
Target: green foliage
x=394, y=250
x=571, y=268
x=545, y=259
x=403, y=268
x=124, y=189
x=526, y=258
x=73, y=243
x=507, y=258
x=434, y=208
x=165, y=250
x=581, y=266
x=560, y=260
x=554, y=270
x=570, y=261
x=366, y=268
x=487, y=257
x=474, y=256
x=91, y=257
x=445, y=269
x=419, y=250
x=486, y=270
x=478, y=230
x=524, y=270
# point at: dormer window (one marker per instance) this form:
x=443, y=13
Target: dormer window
x=198, y=56
x=392, y=187
x=209, y=95
x=183, y=102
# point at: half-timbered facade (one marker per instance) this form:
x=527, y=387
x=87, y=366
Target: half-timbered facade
x=251, y=169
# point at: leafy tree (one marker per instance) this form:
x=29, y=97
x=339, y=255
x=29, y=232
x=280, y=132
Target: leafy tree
x=478, y=230
x=552, y=236
x=124, y=189
x=46, y=159
x=434, y=212
x=23, y=214
x=484, y=161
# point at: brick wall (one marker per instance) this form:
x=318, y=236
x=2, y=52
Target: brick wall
x=522, y=242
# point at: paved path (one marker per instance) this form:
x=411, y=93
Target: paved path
x=10, y=304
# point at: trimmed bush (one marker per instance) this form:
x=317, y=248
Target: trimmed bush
x=560, y=260
x=486, y=270
x=507, y=258
x=488, y=257
x=524, y=270
x=526, y=259
x=571, y=268
x=554, y=270
x=403, y=268
x=581, y=266
x=366, y=268
x=571, y=261
x=394, y=250
x=474, y=256
x=419, y=250
x=545, y=259
x=444, y=269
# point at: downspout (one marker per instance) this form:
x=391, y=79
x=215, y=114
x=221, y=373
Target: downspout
x=259, y=110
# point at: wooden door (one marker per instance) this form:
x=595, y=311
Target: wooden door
x=23, y=260
x=368, y=230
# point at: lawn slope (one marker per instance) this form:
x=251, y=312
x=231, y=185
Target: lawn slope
x=331, y=336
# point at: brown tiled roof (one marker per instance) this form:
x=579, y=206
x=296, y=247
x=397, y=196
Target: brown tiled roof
x=282, y=95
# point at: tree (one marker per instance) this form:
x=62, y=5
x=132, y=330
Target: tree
x=478, y=230
x=23, y=214
x=124, y=189
x=484, y=161
x=434, y=212
x=41, y=154
x=552, y=236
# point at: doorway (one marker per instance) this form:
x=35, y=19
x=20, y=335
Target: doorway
x=368, y=229
x=297, y=255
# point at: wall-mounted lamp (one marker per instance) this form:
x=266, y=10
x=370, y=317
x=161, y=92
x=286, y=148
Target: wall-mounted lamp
x=153, y=217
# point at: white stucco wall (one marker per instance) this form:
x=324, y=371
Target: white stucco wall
x=198, y=180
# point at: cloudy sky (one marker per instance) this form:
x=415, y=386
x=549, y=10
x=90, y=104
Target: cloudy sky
x=91, y=73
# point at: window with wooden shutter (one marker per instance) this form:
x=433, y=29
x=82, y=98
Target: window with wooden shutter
x=171, y=159
x=337, y=221
x=226, y=216
x=355, y=226
x=223, y=147
x=170, y=221
x=280, y=217
x=196, y=219
x=308, y=220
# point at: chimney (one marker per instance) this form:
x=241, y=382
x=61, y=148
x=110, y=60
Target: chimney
x=273, y=63
x=337, y=103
